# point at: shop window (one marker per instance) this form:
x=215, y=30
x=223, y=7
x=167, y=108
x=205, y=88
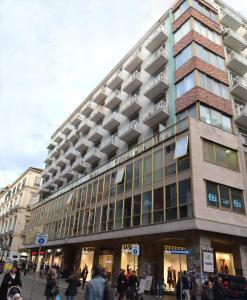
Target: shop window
x=146, y=208
x=147, y=170
x=87, y=255
x=118, y=214
x=127, y=212
x=171, y=202
x=212, y=194
x=158, y=165
x=97, y=219
x=158, y=206
x=128, y=260
x=181, y=147
x=225, y=263
x=110, y=216
x=136, y=210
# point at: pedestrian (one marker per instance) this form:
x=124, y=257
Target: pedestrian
x=26, y=269
x=208, y=293
x=218, y=289
x=95, y=289
x=10, y=279
x=34, y=266
x=160, y=285
x=122, y=284
x=74, y=283
x=51, y=289
x=84, y=274
x=133, y=284
x=185, y=287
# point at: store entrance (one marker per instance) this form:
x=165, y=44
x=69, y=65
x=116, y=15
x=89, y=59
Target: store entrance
x=106, y=262
x=87, y=255
x=172, y=268
x=128, y=260
x=225, y=263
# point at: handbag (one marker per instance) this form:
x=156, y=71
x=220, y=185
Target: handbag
x=58, y=297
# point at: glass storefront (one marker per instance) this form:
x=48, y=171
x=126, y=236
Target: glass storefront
x=106, y=262
x=128, y=260
x=225, y=263
x=87, y=255
x=57, y=260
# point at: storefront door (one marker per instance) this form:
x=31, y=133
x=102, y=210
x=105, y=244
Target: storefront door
x=87, y=255
x=106, y=262
x=128, y=260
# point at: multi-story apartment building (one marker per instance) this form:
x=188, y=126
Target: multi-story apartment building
x=15, y=202
x=156, y=155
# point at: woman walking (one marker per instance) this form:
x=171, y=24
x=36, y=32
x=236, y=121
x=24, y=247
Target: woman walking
x=74, y=283
x=51, y=290
x=10, y=279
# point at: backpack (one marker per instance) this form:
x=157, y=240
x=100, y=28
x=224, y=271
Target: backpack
x=108, y=292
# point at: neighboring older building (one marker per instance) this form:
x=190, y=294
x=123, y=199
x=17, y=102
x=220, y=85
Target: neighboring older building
x=156, y=155
x=15, y=201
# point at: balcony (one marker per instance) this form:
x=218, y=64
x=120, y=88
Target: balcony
x=72, y=154
x=116, y=80
x=239, y=88
x=73, y=136
x=64, y=146
x=77, y=119
x=237, y=63
x=157, y=63
x=158, y=87
x=131, y=106
x=229, y=19
x=85, y=126
x=62, y=161
x=110, y=144
x=134, y=62
x=58, y=137
x=93, y=156
x=45, y=175
x=51, y=146
x=241, y=117
x=159, y=115
x=58, y=179
x=100, y=96
x=48, y=160
x=157, y=38
x=83, y=144
x=133, y=83
x=234, y=40
x=96, y=134
x=67, y=173
x=130, y=132
x=88, y=108
x=67, y=129
x=112, y=121
x=244, y=139
x=114, y=99
x=98, y=114
x=52, y=169
x=79, y=165
x=54, y=153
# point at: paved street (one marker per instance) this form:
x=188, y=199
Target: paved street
x=39, y=287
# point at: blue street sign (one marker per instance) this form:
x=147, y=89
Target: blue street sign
x=41, y=239
x=179, y=252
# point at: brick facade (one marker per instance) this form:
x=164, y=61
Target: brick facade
x=201, y=65
x=192, y=12
x=200, y=94
x=200, y=39
x=208, y=5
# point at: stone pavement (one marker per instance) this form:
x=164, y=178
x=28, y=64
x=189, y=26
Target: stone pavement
x=39, y=287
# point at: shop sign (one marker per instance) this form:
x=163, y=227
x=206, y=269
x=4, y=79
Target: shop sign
x=135, y=250
x=88, y=249
x=168, y=248
x=148, y=283
x=208, y=261
x=178, y=252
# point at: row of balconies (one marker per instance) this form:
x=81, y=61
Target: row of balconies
x=9, y=211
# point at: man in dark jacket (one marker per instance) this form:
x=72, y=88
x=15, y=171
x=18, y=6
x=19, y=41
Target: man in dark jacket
x=219, y=289
x=122, y=283
x=133, y=283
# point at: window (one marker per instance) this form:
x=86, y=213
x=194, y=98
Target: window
x=120, y=176
x=210, y=57
x=171, y=202
x=182, y=31
x=182, y=8
x=147, y=170
x=220, y=155
x=204, y=10
x=185, y=199
x=146, y=208
x=208, y=33
x=224, y=197
x=158, y=213
x=186, y=84
x=24, y=182
x=181, y=148
x=183, y=56
x=213, y=86
x=158, y=165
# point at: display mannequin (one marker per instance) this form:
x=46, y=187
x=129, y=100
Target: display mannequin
x=171, y=277
x=223, y=267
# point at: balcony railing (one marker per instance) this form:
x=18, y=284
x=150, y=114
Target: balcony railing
x=157, y=38
x=230, y=19
x=131, y=102
x=114, y=99
x=234, y=40
x=134, y=61
x=237, y=62
x=133, y=82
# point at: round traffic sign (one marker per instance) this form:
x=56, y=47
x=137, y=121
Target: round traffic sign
x=41, y=241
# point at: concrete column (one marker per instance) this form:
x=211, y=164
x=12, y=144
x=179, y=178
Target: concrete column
x=243, y=256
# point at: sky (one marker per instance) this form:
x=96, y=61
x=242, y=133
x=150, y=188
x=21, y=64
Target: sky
x=53, y=54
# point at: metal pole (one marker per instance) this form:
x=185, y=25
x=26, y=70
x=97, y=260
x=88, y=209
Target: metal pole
x=181, y=284
x=34, y=277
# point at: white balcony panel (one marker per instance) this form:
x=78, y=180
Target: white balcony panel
x=85, y=126
x=134, y=62
x=52, y=145
x=133, y=83
x=53, y=169
x=71, y=154
x=93, y=156
x=96, y=134
x=241, y=118
x=77, y=119
x=100, y=96
x=79, y=165
x=114, y=99
x=73, y=137
x=58, y=138
x=58, y=179
x=109, y=144
x=234, y=40
x=65, y=144
x=130, y=132
x=116, y=80
x=48, y=160
x=55, y=152
x=112, y=121
x=239, y=88
x=156, y=39
x=67, y=129
x=158, y=87
x=61, y=162
x=131, y=106
x=158, y=115
x=88, y=108
x=83, y=144
x=237, y=63
x=45, y=174
x=98, y=114
x=157, y=63
x=229, y=19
